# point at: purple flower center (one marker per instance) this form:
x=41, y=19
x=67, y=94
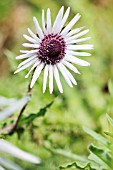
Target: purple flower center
x=52, y=49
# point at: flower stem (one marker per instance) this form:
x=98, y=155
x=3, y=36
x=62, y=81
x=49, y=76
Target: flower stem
x=22, y=110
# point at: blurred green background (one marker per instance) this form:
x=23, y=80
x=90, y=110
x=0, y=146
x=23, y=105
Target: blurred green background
x=84, y=105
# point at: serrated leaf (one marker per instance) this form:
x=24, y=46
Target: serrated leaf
x=27, y=120
x=80, y=162
x=76, y=165
x=44, y=110
x=97, y=136
x=103, y=156
x=109, y=119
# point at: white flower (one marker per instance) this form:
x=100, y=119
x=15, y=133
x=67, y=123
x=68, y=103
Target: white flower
x=54, y=48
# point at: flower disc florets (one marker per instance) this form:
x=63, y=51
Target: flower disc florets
x=52, y=49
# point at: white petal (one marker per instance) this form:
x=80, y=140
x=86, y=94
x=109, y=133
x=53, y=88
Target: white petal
x=24, y=51
x=26, y=61
x=60, y=67
x=10, y=110
x=70, y=25
x=22, y=56
x=30, y=45
x=33, y=35
x=31, y=51
x=65, y=18
x=76, y=60
x=48, y=21
x=38, y=29
x=70, y=66
x=45, y=77
x=76, y=30
x=30, y=39
x=77, y=53
x=50, y=79
x=14, y=151
x=36, y=74
x=43, y=23
x=70, y=75
x=26, y=66
x=32, y=68
x=77, y=35
x=28, y=54
x=56, y=27
x=57, y=78
x=6, y=101
x=8, y=164
x=1, y=168
x=80, y=47
x=78, y=40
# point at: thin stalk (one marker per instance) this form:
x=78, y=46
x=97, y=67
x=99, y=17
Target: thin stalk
x=22, y=110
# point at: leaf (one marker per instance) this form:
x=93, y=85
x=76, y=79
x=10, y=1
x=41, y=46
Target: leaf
x=44, y=110
x=97, y=136
x=65, y=153
x=80, y=162
x=14, y=107
x=103, y=157
x=27, y=120
x=96, y=163
x=16, y=152
x=109, y=119
x=76, y=165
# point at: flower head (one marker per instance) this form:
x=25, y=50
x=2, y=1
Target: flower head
x=54, y=48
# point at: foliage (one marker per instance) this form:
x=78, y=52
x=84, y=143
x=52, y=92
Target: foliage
x=29, y=119
x=59, y=128
x=100, y=157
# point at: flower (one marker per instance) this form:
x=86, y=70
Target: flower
x=53, y=48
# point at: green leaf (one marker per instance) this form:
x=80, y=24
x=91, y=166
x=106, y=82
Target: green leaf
x=96, y=163
x=80, y=162
x=76, y=165
x=109, y=119
x=27, y=120
x=62, y=152
x=97, y=136
x=103, y=157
